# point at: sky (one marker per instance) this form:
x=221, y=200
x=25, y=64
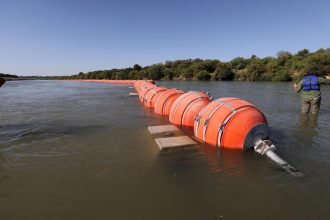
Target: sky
x=65, y=37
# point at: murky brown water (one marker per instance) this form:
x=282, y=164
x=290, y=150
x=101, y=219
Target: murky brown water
x=82, y=151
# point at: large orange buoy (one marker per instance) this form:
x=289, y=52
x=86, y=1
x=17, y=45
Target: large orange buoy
x=144, y=89
x=186, y=107
x=140, y=84
x=230, y=123
x=165, y=100
x=152, y=95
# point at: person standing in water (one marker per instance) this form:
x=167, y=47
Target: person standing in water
x=311, y=94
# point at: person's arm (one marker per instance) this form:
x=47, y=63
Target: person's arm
x=325, y=80
x=297, y=87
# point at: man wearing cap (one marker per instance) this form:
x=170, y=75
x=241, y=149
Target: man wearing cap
x=311, y=94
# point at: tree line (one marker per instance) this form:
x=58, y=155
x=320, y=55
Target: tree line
x=284, y=67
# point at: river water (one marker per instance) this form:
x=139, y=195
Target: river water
x=71, y=150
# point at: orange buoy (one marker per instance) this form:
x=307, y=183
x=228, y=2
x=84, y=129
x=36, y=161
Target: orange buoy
x=230, y=123
x=145, y=89
x=137, y=85
x=165, y=100
x=142, y=85
x=152, y=95
x=186, y=107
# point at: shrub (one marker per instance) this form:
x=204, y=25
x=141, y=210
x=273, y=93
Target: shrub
x=224, y=73
x=282, y=75
x=203, y=75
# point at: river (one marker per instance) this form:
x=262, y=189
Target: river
x=71, y=150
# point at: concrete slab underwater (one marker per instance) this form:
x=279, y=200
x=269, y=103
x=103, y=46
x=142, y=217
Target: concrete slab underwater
x=168, y=143
x=161, y=129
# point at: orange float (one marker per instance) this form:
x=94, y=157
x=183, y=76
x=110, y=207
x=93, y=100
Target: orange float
x=152, y=95
x=165, y=100
x=140, y=85
x=186, y=107
x=137, y=85
x=119, y=82
x=144, y=89
x=230, y=123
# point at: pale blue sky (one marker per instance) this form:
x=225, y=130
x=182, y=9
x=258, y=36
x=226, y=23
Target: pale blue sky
x=44, y=37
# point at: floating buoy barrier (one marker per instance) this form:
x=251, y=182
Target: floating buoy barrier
x=186, y=108
x=165, y=101
x=152, y=95
x=119, y=82
x=230, y=123
x=223, y=123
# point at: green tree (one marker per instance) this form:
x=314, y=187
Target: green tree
x=282, y=75
x=187, y=73
x=224, y=73
x=155, y=72
x=137, y=67
x=238, y=63
x=255, y=69
x=203, y=75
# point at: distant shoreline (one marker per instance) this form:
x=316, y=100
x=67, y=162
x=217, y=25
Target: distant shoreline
x=28, y=78
x=164, y=80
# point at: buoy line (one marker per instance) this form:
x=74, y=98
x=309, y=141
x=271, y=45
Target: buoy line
x=226, y=122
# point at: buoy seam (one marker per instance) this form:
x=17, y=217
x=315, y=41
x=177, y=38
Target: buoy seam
x=227, y=105
x=208, y=118
x=189, y=105
x=145, y=92
x=154, y=95
x=197, y=119
x=167, y=99
x=177, y=102
x=157, y=101
x=222, y=103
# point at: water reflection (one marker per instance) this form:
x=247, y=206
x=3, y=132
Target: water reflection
x=308, y=120
x=86, y=147
x=8, y=184
x=225, y=161
x=43, y=130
